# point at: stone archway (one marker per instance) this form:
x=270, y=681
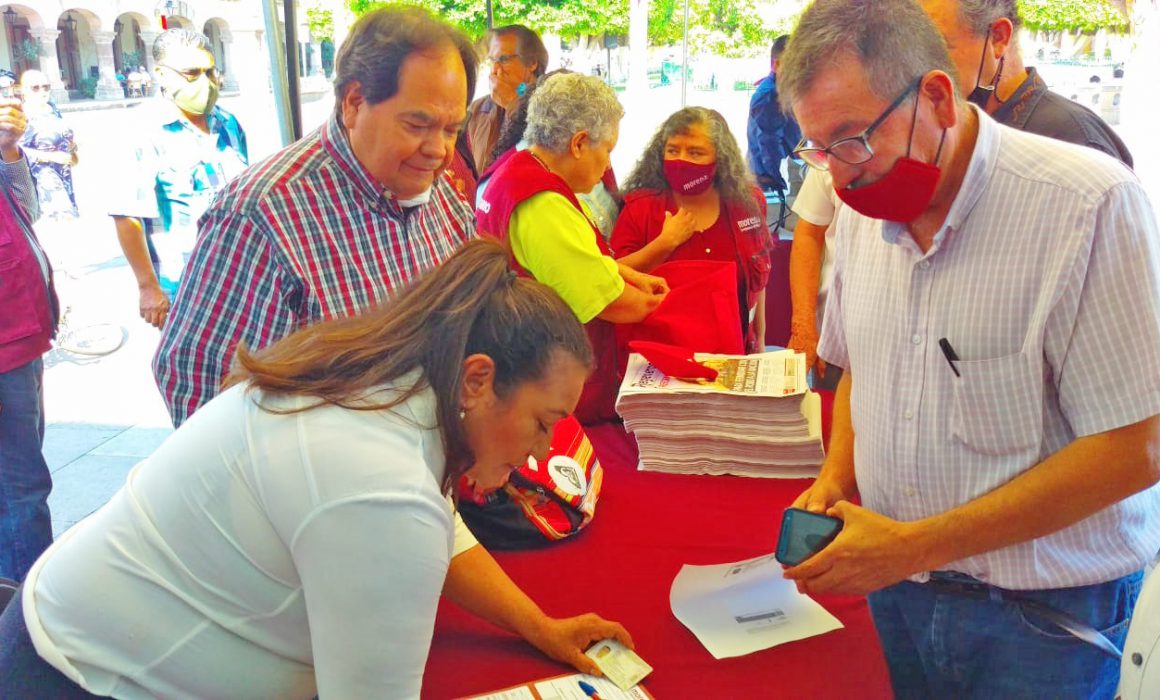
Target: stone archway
x=21, y=48
x=221, y=41
x=76, y=48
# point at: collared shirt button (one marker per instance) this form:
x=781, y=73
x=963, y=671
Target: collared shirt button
x=908, y=414
x=908, y=491
x=916, y=339
x=925, y=264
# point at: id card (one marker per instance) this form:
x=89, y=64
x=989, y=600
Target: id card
x=618, y=663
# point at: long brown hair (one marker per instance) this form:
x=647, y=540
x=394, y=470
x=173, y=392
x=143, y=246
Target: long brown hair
x=471, y=304
x=732, y=179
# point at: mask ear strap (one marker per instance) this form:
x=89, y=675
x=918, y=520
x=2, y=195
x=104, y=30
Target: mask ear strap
x=982, y=59
x=914, y=118
x=995, y=83
x=941, y=141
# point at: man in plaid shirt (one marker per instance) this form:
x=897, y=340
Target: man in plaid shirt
x=334, y=223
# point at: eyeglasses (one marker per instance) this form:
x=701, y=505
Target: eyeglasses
x=192, y=74
x=853, y=150
x=502, y=59
x=40, y=88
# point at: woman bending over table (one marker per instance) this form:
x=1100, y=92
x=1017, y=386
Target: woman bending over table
x=293, y=537
x=690, y=197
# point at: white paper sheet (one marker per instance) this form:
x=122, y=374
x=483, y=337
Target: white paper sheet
x=568, y=688
x=739, y=608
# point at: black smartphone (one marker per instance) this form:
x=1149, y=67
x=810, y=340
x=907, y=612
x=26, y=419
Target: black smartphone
x=804, y=534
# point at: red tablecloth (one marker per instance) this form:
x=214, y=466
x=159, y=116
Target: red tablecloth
x=646, y=527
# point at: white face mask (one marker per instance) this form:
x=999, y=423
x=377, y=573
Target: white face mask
x=418, y=200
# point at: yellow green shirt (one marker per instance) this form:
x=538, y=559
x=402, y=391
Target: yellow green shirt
x=555, y=243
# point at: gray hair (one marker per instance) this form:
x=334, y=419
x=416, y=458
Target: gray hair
x=732, y=179
x=977, y=15
x=894, y=41
x=566, y=104
x=178, y=37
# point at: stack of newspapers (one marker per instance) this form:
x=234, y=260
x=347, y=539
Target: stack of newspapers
x=758, y=418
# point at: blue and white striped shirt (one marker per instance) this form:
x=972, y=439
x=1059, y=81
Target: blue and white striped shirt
x=1045, y=279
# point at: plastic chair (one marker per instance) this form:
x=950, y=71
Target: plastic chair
x=1140, y=665
x=7, y=590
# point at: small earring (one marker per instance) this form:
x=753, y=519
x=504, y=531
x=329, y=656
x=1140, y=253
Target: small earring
x=462, y=413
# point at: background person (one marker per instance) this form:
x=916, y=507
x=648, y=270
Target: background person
x=51, y=148
x=188, y=150
x=27, y=324
x=293, y=538
x=982, y=418
x=517, y=57
x=982, y=36
x=811, y=270
x=337, y=222
x=772, y=133
x=603, y=202
x=690, y=198
x=531, y=204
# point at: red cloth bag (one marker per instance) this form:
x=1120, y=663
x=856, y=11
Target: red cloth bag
x=701, y=313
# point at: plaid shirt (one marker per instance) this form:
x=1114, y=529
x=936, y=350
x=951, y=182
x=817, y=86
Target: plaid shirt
x=304, y=236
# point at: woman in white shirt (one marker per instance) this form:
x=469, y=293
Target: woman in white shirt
x=293, y=537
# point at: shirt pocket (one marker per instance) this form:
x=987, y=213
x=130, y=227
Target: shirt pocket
x=998, y=405
x=17, y=298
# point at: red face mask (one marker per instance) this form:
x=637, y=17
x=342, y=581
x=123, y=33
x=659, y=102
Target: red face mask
x=901, y=194
x=689, y=178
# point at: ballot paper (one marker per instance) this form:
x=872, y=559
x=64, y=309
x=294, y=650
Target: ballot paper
x=567, y=687
x=618, y=663
x=757, y=419
x=743, y=607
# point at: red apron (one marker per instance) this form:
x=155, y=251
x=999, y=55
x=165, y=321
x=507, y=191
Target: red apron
x=645, y=211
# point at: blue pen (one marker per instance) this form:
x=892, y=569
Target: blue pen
x=589, y=690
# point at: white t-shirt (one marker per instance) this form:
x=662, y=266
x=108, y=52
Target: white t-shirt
x=817, y=202
x=259, y=555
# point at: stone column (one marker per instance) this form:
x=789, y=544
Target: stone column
x=249, y=63
x=229, y=77
x=108, y=88
x=49, y=62
x=147, y=38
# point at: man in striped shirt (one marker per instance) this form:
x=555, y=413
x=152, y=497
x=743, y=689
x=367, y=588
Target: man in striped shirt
x=333, y=224
x=990, y=285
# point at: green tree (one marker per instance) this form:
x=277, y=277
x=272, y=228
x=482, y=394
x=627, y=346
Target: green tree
x=726, y=27
x=567, y=18
x=321, y=23
x=1084, y=16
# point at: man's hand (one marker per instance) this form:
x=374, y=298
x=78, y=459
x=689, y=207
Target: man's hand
x=678, y=227
x=803, y=337
x=822, y=495
x=870, y=553
x=12, y=126
x=565, y=639
x=154, y=305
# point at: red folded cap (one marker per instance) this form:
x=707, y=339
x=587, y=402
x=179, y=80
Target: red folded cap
x=673, y=360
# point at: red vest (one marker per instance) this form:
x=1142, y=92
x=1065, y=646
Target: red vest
x=516, y=179
x=27, y=302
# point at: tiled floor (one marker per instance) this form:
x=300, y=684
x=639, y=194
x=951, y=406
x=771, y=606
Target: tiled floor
x=89, y=464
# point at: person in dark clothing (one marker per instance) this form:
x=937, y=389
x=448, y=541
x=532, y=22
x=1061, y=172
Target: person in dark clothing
x=982, y=38
x=772, y=133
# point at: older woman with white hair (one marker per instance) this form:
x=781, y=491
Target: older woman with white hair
x=531, y=204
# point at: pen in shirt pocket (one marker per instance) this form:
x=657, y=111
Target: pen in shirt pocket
x=949, y=353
